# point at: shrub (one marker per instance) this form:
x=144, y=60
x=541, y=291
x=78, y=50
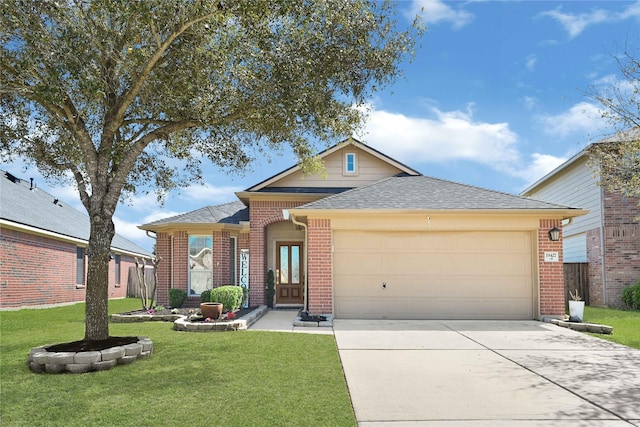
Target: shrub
x=271, y=290
x=205, y=296
x=631, y=296
x=177, y=297
x=229, y=295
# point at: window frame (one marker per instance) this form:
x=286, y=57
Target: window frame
x=209, y=282
x=80, y=267
x=350, y=165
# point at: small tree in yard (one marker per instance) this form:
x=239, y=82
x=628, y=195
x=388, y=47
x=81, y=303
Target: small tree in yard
x=124, y=96
x=617, y=159
x=147, y=296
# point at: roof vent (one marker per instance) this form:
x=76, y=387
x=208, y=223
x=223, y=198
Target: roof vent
x=12, y=178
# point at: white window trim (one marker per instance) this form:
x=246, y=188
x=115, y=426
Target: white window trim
x=189, y=270
x=345, y=171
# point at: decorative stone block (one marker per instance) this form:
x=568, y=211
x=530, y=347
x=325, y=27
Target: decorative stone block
x=144, y=355
x=78, y=368
x=147, y=345
x=40, y=357
x=85, y=357
x=125, y=360
x=61, y=358
x=36, y=367
x=104, y=365
x=112, y=353
x=132, y=349
x=52, y=368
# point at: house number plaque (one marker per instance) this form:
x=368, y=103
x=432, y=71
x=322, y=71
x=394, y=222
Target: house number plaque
x=551, y=257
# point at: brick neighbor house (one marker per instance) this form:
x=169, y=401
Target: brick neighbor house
x=43, y=249
x=607, y=239
x=374, y=238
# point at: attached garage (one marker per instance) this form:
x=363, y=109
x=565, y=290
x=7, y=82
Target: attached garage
x=433, y=275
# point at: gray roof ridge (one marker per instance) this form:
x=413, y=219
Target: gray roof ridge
x=353, y=190
x=504, y=193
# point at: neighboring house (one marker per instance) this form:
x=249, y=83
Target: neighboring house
x=607, y=238
x=372, y=239
x=43, y=245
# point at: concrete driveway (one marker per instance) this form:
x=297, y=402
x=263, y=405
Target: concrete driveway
x=486, y=373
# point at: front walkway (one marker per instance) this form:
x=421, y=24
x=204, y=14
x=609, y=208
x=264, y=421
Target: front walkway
x=282, y=321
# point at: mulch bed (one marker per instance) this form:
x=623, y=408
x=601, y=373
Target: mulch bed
x=97, y=345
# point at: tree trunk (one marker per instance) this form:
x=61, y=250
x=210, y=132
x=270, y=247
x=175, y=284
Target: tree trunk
x=97, y=298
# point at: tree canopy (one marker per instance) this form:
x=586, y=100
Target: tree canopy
x=617, y=159
x=128, y=95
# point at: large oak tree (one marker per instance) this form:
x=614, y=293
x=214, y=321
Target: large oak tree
x=127, y=96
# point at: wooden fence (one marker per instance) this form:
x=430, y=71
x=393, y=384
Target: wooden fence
x=133, y=285
x=576, y=276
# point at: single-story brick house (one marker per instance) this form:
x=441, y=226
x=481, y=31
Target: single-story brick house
x=43, y=243
x=607, y=238
x=373, y=238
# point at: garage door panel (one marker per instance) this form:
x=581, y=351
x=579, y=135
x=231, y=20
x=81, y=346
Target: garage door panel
x=457, y=275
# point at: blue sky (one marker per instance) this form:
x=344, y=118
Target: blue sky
x=495, y=97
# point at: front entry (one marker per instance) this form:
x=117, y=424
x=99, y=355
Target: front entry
x=289, y=274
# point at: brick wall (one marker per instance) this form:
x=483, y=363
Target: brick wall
x=38, y=270
x=163, y=250
x=621, y=244
x=551, y=274
x=261, y=214
x=320, y=271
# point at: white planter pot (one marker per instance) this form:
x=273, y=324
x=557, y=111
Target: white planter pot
x=576, y=311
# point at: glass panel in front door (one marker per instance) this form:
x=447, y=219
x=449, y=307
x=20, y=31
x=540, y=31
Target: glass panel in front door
x=295, y=264
x=284, y=265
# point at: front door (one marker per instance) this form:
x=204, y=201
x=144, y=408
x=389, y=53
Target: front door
x=289, y=274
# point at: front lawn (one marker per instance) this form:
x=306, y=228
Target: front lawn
x=626, y=324
x=244, y=378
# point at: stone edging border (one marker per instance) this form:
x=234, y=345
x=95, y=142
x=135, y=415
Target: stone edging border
x=244, y=322
x=584, y=327
x=43, y=361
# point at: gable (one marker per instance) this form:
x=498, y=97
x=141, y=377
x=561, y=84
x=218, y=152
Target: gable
x=370, y=166
x=367, y=168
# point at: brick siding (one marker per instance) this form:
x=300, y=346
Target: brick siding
x=320, y=268
x=621, y=244
x=621, y=249
x=39, y=270
x=262, y=214
x=551, y=274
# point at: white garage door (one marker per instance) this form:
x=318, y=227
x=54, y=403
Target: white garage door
x=433, y=275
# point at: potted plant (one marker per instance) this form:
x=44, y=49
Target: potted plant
x=576, y=307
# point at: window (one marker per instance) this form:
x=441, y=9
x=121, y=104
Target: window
x=350, y=165
x=116, y=258
x=233, y=274
x=200, y=264
x=79, y=266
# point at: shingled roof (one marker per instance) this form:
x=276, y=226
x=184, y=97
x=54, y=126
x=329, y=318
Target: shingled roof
x=25, y=205
x=228, y=213
x=426, y=193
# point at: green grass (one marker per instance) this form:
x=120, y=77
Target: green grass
x=626, y=324
x=244, y=378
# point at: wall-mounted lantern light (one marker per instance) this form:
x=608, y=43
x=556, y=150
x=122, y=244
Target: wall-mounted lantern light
x=554, y=234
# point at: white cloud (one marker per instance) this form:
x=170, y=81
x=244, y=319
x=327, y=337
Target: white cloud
x=435, y=11
x=583, y=117
x=531, y=62
x=540, y=165
x=451, y=135
x=530, y=102
x=575, y=24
